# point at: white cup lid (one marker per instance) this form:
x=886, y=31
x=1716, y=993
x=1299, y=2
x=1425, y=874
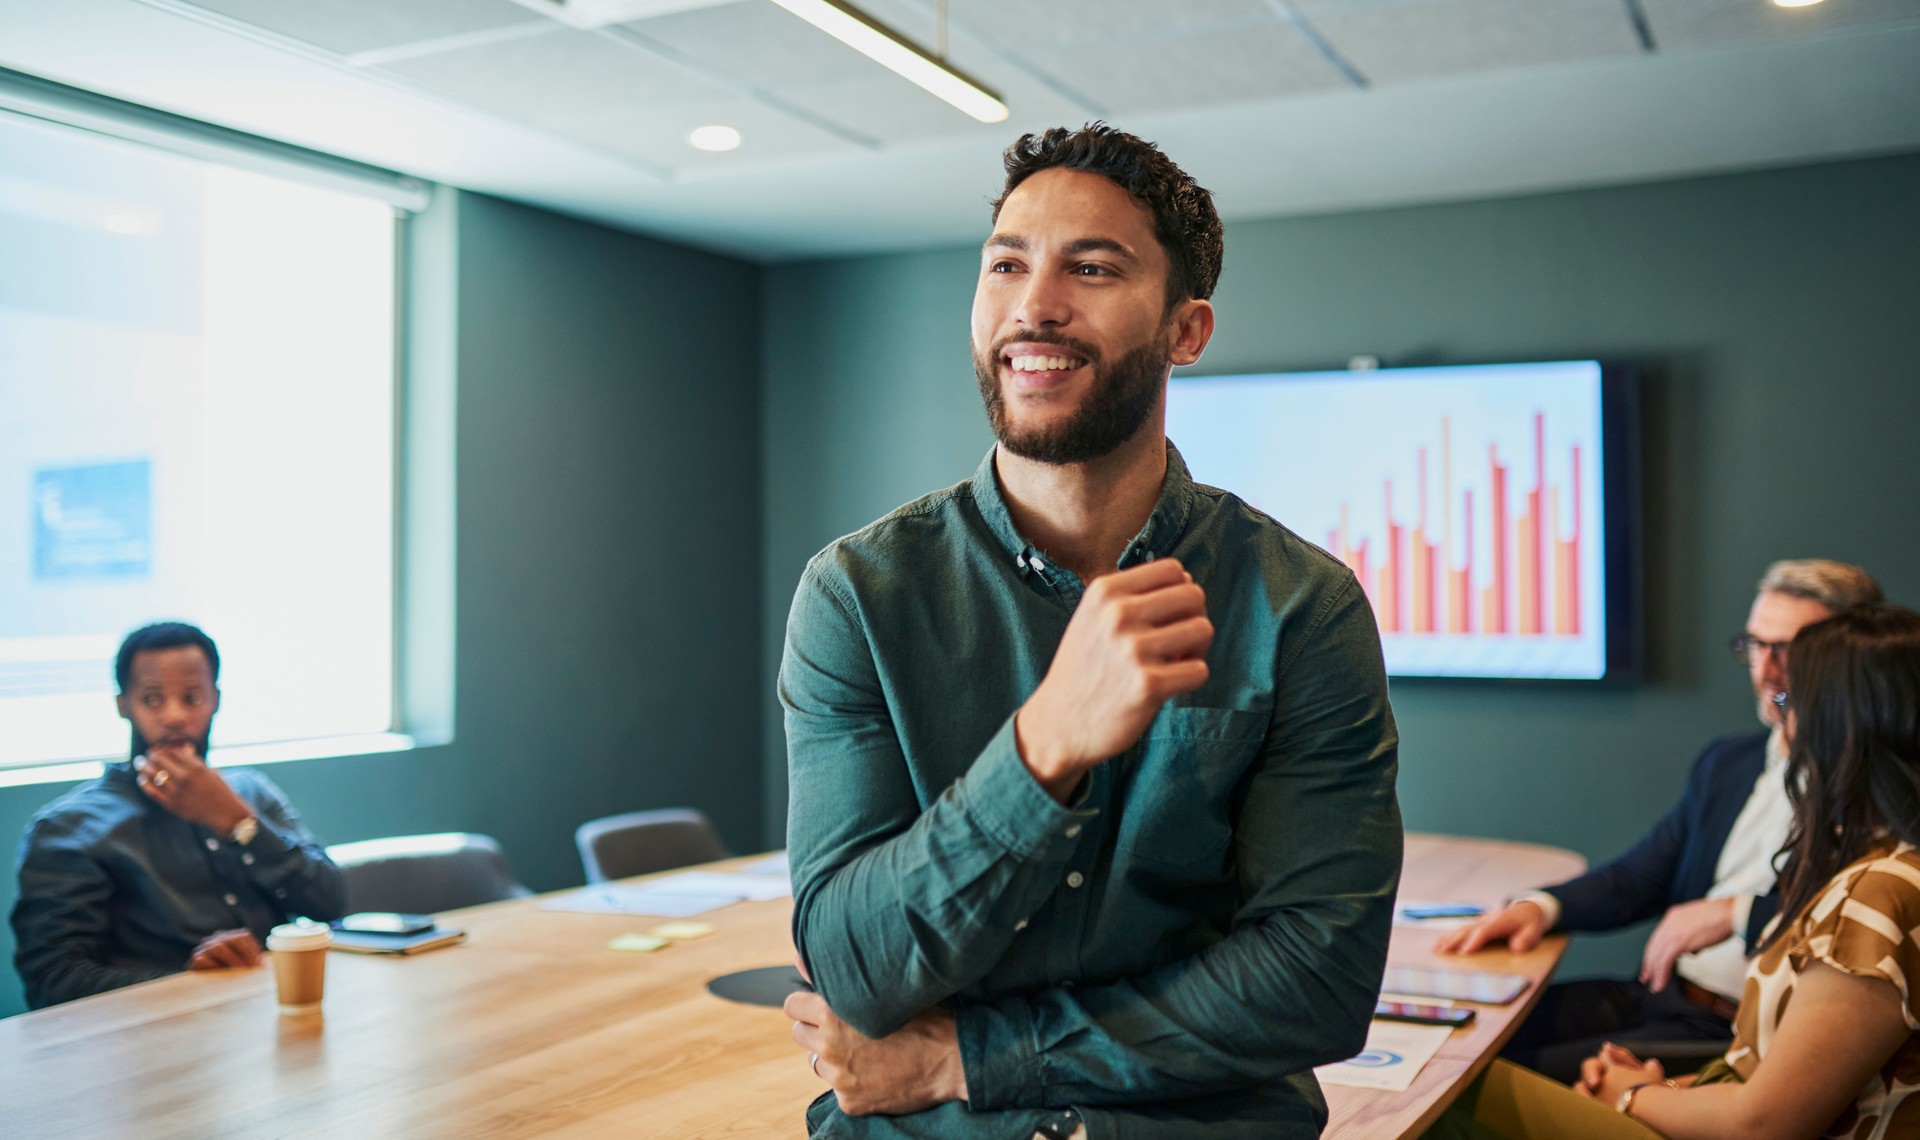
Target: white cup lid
x=303, y=934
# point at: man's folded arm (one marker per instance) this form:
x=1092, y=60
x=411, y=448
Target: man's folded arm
x=897, y=909
x=287, y=860
x=1318, y=843
x=61, y=921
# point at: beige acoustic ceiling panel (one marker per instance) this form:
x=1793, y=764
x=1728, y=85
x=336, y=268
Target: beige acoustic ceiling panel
x=1678, y=25
x=1394, y=41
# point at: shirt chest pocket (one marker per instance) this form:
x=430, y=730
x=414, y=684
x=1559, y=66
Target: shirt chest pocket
x=1175, y=807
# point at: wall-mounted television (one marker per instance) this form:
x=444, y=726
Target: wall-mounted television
x=1489, y=511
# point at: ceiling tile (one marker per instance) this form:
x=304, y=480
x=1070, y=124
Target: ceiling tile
x=756, y=42
x=350, y=26
x=658, y=135
x=1391, y=41
x=1681, y=24
x=1043, y=28
x=559, y=79
x=1150, y=75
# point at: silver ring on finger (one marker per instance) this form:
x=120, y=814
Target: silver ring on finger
x=813, y=1062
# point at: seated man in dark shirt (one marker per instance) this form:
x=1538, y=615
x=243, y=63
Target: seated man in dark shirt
x=163, y=863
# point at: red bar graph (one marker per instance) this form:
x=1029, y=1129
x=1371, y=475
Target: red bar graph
x=1531, y=585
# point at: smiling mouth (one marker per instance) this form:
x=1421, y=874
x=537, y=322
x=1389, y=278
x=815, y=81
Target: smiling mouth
x=1044, y=363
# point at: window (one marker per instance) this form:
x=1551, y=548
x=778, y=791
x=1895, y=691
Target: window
x=197, y=394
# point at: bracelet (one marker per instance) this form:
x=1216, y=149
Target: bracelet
x=1624, y=1106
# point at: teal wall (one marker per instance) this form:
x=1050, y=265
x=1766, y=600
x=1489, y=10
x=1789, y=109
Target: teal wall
x=1776, y=314
x=608, y=555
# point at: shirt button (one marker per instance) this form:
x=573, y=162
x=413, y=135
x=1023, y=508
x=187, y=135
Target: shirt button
x=1073, y=831
x=280, y=893
x=212, y=843
x=233, y=900
x=1021, y=925
x=247, y=859
x=1076, y=879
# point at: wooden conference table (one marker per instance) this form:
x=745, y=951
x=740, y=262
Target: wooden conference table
x=535, y=1028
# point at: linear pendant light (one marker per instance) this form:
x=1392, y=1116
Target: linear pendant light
x=900, y=55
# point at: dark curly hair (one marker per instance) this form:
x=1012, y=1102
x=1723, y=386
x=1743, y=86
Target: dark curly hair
x=1184, y=220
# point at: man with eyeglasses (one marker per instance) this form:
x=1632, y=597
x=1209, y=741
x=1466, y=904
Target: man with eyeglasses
x=1706, y=869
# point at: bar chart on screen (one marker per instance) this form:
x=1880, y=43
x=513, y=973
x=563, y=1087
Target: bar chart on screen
x=1467, y=501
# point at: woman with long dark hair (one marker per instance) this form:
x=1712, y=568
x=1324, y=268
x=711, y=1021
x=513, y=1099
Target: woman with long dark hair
x=1827, y=1039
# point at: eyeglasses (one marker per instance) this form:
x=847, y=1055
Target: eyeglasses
x=1752, y=650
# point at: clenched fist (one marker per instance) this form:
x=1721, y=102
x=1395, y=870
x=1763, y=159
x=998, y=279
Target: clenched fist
x=1139, y=637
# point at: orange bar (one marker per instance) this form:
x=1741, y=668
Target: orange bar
x=1527, y=591
x=1422, y=570
x=1458, y=587
x=1566, y=582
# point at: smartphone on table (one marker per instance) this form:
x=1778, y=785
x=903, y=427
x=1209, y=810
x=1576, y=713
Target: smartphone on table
x=1420, y=1014
x=385, y=922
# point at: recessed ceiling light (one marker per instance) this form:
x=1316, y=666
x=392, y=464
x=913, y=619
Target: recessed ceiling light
x=714, y=138
x=1795, y=3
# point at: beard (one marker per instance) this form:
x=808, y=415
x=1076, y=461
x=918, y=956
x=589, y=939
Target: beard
x=141, y=744
x=1121, y=398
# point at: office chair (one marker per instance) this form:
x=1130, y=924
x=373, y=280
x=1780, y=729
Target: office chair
x=425, y=874
x=644, y=841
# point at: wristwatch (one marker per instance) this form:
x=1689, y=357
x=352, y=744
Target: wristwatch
x=244, y=831
x=1624, y=1106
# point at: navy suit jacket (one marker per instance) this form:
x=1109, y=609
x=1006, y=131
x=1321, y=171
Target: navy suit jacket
x=1675, y=862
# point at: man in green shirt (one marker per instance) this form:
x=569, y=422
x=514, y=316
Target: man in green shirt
x=1092, y=823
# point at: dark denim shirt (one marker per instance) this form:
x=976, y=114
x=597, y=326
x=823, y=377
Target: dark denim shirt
x=1170, y=954
x=115, y=889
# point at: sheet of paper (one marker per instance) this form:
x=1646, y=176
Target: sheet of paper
x=1394, y=1054
x=1400, y=917
x=681, y=931
x=774, y=864
x=643, y=898
x=736, y=883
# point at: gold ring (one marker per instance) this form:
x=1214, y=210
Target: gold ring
x=159, y=778
x=813, y=1062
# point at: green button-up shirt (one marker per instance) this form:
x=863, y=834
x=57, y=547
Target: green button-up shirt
x=1175, y=949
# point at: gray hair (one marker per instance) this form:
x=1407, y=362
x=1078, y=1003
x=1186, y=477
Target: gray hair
x=1835, y=585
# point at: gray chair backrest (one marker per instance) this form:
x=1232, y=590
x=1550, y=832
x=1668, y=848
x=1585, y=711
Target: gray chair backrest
x=425, y=874
x=641, y=842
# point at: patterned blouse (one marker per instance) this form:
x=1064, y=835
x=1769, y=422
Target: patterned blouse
x=1866, y=923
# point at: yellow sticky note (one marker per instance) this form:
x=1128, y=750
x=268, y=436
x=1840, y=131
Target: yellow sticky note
x=642, y=943
x=681, y=931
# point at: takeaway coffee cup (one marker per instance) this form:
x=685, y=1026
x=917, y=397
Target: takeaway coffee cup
x=300, y=964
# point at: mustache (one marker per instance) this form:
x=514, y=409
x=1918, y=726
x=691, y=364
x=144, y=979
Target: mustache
x=1044, y=336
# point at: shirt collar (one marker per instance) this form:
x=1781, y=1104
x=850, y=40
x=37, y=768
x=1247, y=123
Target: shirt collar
x=1164, y=528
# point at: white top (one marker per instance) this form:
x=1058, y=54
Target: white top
x=1744, y=872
